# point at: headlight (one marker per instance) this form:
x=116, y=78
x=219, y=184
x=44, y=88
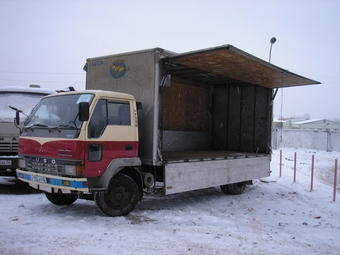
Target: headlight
x=74, y=170
x=70, y=170
x=22, y=163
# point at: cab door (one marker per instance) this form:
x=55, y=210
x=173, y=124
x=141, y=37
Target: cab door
x=112, y=133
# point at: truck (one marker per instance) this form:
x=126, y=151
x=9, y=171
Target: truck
x=155, y=121
x=22, y=99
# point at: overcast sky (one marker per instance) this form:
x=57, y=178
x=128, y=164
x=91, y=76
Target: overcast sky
x=47, y=42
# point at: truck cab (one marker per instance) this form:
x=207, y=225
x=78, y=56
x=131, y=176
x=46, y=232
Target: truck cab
x=23, y=99
x=76, y=141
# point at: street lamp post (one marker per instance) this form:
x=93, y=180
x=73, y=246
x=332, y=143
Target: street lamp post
x=272, y=41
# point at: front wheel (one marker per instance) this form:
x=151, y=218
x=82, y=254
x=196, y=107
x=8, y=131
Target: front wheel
x=234, y=188
x=60, y=199
x=121, y=197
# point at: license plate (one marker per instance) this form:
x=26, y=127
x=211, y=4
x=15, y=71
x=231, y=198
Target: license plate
x=38, y=179
x=5, y=162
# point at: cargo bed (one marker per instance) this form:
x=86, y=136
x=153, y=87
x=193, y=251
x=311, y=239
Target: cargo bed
x=191, y=170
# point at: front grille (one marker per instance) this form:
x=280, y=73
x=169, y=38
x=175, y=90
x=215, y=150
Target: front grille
x=8, y=146
x=44, y=166
x=48, y=165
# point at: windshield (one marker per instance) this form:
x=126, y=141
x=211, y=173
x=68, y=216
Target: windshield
x=57, y=112
x=21, y=101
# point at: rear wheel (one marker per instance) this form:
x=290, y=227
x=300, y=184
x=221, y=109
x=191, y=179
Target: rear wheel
x=121, y=198
x=234, y=188
x=60, y=199
x=224, y=189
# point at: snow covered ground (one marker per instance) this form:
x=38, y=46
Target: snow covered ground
x=273, y=216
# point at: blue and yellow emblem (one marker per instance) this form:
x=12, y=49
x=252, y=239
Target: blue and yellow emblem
x=118, y=69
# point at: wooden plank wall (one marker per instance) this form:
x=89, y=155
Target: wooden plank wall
x=263, y=119
x=240, y=118
x=185, y=107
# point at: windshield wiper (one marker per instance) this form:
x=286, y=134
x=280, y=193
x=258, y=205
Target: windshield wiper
x=65, y=126
x=17, y=110
x=61, y=126
x=37, y=125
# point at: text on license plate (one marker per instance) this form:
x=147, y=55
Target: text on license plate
x=38, y=179
x=5, y=162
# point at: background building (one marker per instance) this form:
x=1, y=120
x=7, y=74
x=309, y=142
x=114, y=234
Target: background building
x=317, y=124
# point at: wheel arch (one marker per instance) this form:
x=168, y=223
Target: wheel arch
x=127, y=166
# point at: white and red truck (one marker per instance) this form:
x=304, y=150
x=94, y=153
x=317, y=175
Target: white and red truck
x=151, y=120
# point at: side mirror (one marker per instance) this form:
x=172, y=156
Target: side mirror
x=139, y=106
x=17, y=118
x=84, y=111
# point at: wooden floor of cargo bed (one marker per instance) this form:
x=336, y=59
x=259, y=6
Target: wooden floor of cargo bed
x=186, y=156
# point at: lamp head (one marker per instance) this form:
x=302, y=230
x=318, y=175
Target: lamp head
x=273, y=40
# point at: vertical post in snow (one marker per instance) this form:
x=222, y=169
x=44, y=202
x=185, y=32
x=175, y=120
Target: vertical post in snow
x=294, y=166
x=312, y=175
x=335, y=177
x=280, y=163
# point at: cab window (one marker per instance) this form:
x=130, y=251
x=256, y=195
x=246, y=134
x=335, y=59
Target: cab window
x=98, y=120
x=106, y=113
x=119, y=113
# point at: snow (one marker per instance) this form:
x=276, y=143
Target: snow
x=34, y=90
x=22, y=98
x=23, y=102
x=273, y=216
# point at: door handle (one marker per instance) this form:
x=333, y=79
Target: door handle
x=128, y=147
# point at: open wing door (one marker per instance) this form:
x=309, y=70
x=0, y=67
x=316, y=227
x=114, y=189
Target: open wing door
x=228, y=65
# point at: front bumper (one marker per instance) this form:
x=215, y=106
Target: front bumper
x=8, y=165
x=51, y=183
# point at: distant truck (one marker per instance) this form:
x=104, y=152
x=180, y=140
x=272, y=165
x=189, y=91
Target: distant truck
x=21, y=98
x=154, y=120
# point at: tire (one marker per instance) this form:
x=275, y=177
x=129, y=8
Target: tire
x=224, y=189
x=121, y=198
x=60, y=199
x=236, y=188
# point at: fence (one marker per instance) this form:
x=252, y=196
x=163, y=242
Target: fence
x=312, y=173
x=309, y=139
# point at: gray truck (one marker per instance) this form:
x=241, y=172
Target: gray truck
x=155, y=120
x=23, y=99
